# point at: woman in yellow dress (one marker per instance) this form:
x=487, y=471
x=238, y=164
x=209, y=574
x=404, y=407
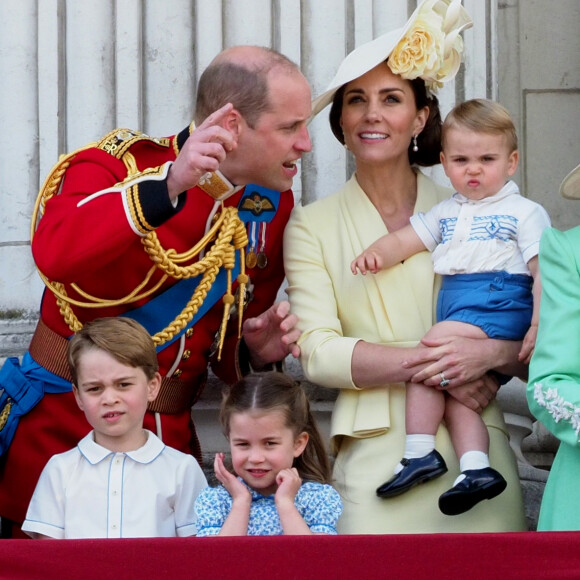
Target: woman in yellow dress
x=361, y=334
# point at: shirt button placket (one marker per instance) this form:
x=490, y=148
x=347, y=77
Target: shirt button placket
x=115, y=496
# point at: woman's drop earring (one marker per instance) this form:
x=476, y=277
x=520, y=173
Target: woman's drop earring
x=415, y=146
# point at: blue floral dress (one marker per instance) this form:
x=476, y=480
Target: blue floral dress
x=319, y=504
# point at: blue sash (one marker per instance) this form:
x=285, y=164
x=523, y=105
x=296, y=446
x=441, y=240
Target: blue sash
x=160, y=311
x=22, y=386
x=257, y=204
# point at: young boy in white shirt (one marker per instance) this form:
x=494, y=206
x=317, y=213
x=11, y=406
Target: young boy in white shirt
x=121, y=480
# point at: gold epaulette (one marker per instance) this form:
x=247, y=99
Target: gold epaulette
x=226, y=236
x=117, y=142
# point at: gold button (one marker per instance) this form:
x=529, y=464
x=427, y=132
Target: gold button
x=186, y=354
x=177, y=373
x=189, y=333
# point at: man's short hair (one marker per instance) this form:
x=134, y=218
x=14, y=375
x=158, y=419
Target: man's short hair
x=245, y=85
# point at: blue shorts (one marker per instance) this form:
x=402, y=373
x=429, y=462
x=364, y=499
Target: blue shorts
x=499, y=303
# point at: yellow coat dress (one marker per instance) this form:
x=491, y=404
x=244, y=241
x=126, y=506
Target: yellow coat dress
x=395, y=307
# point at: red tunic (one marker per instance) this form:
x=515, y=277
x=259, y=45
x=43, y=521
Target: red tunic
x=97, y=244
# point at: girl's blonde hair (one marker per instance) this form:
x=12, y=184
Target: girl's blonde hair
x=275, y=391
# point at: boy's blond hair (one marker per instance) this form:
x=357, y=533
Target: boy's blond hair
x=123, y=338
x=482, y=116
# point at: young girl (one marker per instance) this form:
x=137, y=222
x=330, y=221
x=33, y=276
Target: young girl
x=281, y=463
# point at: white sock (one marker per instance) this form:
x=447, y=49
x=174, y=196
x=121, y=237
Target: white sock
x=416, y=446
x=472, y=460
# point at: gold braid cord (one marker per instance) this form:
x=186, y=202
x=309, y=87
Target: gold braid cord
x=5, y=414
x=228, y=234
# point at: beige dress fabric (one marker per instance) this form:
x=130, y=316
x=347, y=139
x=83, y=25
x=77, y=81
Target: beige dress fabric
x=336, y=310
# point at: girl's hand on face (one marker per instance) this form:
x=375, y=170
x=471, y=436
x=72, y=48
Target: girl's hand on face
x=233, y=485
x=289, y=483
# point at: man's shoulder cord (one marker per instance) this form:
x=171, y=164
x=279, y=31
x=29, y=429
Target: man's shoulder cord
x=228, y=234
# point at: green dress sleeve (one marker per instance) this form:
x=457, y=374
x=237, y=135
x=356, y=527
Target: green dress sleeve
x=553, y=389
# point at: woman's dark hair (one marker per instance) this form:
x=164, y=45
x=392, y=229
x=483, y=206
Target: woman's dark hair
x=428, y=141
x=275, y=391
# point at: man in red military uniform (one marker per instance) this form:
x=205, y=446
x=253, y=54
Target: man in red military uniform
x=145, y=227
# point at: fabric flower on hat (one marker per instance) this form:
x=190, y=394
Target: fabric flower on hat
x=432, y=46
x=428, y=46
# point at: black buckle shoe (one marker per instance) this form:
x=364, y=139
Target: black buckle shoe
x=479, y=484
x=418, y=470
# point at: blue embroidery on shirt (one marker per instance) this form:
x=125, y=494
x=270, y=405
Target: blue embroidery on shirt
x=483, y=228
x=489, y=227
x=447, y=227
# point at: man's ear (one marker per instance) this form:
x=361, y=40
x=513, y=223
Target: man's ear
x=234, y=122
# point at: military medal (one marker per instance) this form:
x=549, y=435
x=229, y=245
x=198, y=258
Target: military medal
x=262, y=258
x=251, y=259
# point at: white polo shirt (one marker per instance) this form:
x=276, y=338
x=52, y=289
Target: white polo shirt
x=91, y=492
x=501, y=232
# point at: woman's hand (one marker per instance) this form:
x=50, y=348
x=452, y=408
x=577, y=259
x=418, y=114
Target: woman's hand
x=456, y=359
x=475, y=395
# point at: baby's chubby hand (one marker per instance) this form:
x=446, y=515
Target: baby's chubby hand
x=368, y=261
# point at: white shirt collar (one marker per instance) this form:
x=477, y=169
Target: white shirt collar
x=95, y=453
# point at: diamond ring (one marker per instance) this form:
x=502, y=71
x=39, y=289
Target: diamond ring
x=444, y=382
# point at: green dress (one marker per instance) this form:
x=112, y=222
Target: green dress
x=554, y=384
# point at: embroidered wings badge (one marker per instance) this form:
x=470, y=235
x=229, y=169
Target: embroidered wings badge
x=256, y=204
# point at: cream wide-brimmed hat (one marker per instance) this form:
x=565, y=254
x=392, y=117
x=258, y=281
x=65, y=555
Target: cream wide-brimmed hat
x=429, y=46
x=570, y=186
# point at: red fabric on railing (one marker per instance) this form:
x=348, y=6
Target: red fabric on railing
x=525, y=555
